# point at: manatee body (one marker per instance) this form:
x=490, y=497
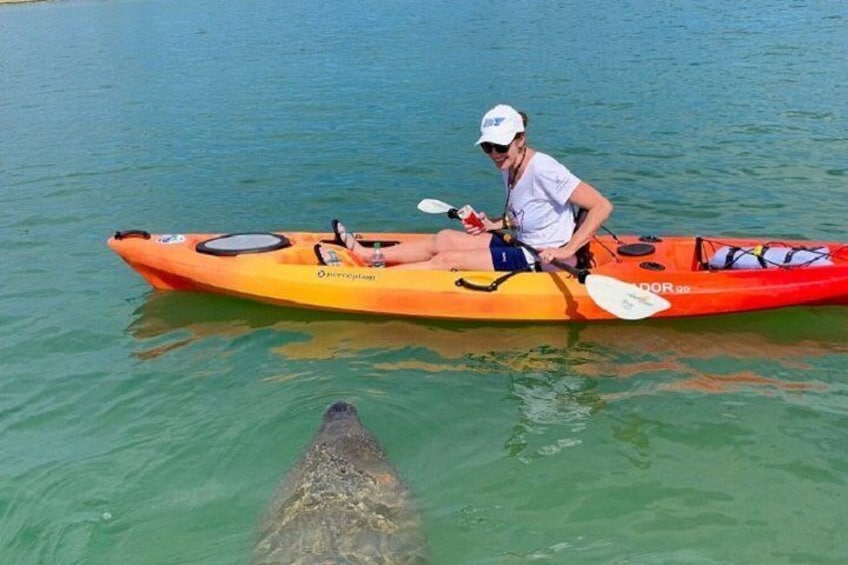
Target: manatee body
x=342, y=503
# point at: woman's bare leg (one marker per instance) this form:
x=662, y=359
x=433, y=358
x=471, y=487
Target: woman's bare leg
x=418, y=250
x=425, y=250
x=479, y=259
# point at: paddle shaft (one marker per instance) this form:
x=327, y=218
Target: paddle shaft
x=580, y=274
x=621, y=299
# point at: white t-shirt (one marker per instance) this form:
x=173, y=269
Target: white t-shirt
x=538, y=205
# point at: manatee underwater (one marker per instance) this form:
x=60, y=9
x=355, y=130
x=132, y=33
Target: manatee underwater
x=342, y=502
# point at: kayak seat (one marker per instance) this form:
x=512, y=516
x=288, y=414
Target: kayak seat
x=238, y=243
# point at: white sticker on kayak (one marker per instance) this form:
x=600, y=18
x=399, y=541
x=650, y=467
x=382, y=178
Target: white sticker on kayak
x=171, y=238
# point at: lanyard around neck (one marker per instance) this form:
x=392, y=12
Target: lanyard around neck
x=512, y=180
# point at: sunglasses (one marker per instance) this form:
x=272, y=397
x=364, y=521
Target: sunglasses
x=489, y=147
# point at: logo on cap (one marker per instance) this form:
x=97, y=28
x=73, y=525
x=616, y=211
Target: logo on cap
x=493, y=122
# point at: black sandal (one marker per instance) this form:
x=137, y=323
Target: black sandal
x=326, y=257
x=343, y=237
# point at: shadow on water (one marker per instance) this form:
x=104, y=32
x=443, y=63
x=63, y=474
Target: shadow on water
x=556, y=376
x=686, y=348
x=779, y=334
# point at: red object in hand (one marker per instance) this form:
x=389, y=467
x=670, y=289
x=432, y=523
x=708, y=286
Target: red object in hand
x=469, y=217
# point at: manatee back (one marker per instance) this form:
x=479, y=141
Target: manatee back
x=343, y=502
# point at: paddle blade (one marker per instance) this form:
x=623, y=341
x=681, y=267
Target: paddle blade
x=624, y=300
x=432, y=206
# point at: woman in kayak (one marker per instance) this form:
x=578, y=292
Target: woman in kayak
x=541, y=198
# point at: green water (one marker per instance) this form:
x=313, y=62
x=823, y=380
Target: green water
x=140, y=427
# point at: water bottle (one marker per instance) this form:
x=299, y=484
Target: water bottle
x=378, y=259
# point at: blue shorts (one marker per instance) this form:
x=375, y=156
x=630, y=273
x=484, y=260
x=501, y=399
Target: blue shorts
x=506, y=257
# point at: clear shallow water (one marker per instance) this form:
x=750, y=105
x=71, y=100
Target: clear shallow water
x=147, y=428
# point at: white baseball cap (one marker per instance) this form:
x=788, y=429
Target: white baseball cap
x=500, y=125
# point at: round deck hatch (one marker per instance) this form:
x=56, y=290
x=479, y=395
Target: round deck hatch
x=636, y=249
x=238, y=243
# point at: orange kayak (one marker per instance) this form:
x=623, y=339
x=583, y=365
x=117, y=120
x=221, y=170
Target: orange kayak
x=668, y=276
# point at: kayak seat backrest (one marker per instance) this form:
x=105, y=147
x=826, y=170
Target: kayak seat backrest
x=240, y=243
x=766, y=257
x=583, y=255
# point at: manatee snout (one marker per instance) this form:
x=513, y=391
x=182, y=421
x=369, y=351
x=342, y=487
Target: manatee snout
x=339, y=410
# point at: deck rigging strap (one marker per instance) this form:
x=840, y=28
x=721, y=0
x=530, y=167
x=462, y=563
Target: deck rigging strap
x=491, y=286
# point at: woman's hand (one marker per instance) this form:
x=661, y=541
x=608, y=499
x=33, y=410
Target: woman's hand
x=488, y=225
x=551, y=254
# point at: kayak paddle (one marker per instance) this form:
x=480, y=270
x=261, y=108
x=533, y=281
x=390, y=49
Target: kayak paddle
x=621, y=299
x=433, y=206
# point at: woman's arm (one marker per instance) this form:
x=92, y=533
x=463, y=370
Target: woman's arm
x=598, y=209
